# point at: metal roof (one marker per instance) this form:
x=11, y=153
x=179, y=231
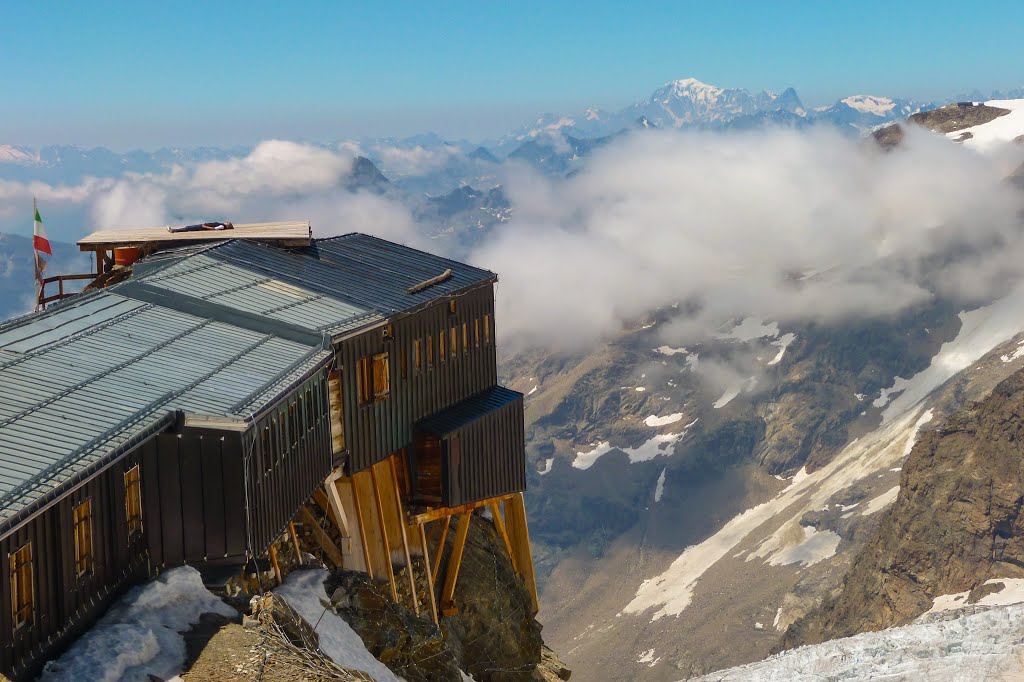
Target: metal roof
x=295, y=233
x=87, y=376
x=334, y=286
x=466, y=411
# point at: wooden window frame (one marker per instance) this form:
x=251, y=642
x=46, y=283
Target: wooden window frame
x=133, y=481
x=417, y=356
x=465, y=338
x=81, y=515
x=455, y=340
x=23, y=606
x=452, y=306
x=487, y=329
x=370, y=388
x=476, y=332
x=442, y=345
x=430, y=351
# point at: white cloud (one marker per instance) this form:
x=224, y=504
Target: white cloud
x=727, y=223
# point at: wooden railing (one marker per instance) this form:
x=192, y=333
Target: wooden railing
x=61, y=294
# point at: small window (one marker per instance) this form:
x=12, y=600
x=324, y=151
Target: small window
x=83, y=538
x=374, y=378
x=22, y=590
x=417, y=355
x=476, y=332
x=133, y=501
x=442, y=345
x=487, y=329
x=465, y=337
x=430, y=350
x=455, y=341
x=451, y=307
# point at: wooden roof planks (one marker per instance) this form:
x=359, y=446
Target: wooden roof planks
x=295, y=233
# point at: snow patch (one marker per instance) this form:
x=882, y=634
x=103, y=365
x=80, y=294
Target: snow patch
x=670, y=592
x=548, y=463
x=969, y=647
x=997, y=132
x=659, y=488
x=140, y=635
x=869, y=104
x=655, y=447
x=1016, y=355
x=751, y=328
x=782, y=344
x=881, y=502
x=304, y=590
x=816, y=546
x=1012, y=593
x=668, y=350
x=662, y=421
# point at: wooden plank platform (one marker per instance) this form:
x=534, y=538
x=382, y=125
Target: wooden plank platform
x=296, y=233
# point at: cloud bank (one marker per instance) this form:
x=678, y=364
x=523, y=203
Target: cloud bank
x=782, y=225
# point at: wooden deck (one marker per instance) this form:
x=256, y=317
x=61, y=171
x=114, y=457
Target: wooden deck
x=296, y=233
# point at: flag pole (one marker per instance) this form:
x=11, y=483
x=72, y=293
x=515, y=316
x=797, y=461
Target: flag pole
x=35, y=257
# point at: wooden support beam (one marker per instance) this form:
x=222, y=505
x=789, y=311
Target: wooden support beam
x=440, y=548
x=519, y=534
x=295, y=542
x=405, y=537
x=361, y=520
x=384, y=532
x=430, y=577
x=320, y=497
x=441, y=512
x=321, y=537
x=451, y=575
x=499, y=525
x=334, y=499
x=277, y=566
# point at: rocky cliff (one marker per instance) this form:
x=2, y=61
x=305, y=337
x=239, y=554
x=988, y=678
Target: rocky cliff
x=956, y=523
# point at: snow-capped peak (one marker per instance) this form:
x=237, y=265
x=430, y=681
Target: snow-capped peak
x=695, y=89
x=13, y=154
x=869, y=104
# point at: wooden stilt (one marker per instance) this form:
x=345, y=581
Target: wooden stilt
x=448, y=607
x=277, y=566
x=361, y=520
x=499, y=525
x=405, y=537
x=519, y=534
x=430, y=577
x=440, y=547
x=384, y=532
x=320, y=536
x=295, y=542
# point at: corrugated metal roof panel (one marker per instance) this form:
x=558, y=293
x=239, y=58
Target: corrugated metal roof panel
x=467, y=411
x=335, y=285
x=87, y=377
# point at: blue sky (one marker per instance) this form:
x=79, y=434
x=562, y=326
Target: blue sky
x=146, y=74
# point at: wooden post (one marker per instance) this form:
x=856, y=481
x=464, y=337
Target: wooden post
x=341, y=492
x=448, y=607
x=519, y=534
x=295, y=541
x=430, y=577
x=360, y=519
x=320, y=536
x=277, y=566
x=405, y=537
x=499, y=525
x=440, y=548
x=384, y=533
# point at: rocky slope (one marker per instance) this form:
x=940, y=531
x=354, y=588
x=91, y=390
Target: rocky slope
x=956, y=523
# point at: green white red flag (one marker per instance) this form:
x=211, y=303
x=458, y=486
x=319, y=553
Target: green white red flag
x=39, y=240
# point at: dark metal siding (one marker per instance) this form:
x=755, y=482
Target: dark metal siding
x=485, y=457
x=194, y=483
x=65, y=604
x=282, y=477
x=189, y=481
x=376, y=430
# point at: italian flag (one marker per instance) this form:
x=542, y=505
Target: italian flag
x=39, y=240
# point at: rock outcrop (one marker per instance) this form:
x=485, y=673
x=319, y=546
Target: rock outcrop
x=493, y=637
x=956, y=523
